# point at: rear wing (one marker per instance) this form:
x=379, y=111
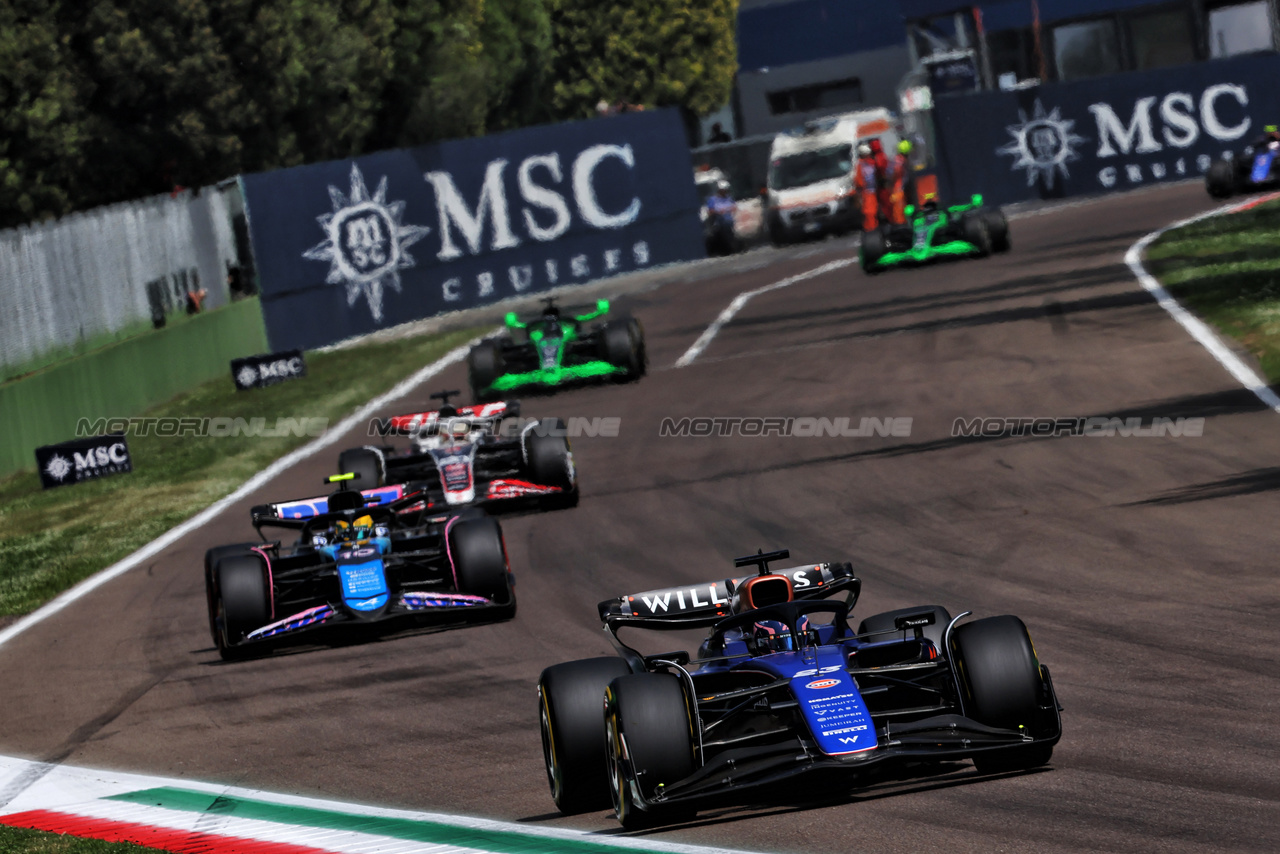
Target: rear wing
x=293, y=514
x=702, y=605
x=420, y=422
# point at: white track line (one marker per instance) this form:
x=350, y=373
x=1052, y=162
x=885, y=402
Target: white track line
x=202, y=518
x=745, y=297
x=1194, y=325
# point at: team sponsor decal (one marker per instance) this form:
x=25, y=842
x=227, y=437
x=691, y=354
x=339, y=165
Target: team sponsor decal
x=305, y=508
x=819, y=684
x=267, y=369
x=456, y=466
x=83, y=459
x=504, y=488
x=677, y=600
x=414, y=601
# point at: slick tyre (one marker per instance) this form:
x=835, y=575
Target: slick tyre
x=479, y=557
x=1220, y=180
x=637, y=336
x=998, y=228
x=1001, y=680
x=211, y=558
x=242, y=601
x=621, y=349
x=884, y=623
x=484, y=366
x=874, y=247
x=571, y=714
x=366, y=464
x=650, y=711
x=549, y=459
x=974, y=230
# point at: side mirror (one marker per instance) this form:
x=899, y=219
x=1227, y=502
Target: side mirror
x=977, y=199
x=910, y=210
x=511, y=319
x=602, y=306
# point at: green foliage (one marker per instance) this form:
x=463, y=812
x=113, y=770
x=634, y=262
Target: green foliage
x=657, y=53
x=107, y=100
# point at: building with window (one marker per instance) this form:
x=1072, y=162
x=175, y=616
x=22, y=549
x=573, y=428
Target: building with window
x=799, y=59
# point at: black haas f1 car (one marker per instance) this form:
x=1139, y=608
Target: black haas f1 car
x=354, y=564
x=470, y=455
x=783, y=688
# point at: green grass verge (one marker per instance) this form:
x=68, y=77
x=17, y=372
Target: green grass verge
x=1227, y=270
x=51, y=539
x=14, y=840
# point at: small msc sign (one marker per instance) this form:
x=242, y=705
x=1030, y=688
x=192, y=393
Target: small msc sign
x=268, y=369
x=83, y=459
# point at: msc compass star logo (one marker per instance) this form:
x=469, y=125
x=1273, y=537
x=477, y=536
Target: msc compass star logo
x=247, y=376
x=365, y=242
x=58, y=467
x=1043, y=144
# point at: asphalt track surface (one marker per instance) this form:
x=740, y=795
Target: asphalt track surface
x=1143, y=566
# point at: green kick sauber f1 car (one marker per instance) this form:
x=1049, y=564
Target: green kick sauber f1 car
x=556, y=350
x=931, y=233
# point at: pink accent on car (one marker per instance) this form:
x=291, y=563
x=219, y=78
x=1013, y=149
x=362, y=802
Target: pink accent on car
x=271, y=587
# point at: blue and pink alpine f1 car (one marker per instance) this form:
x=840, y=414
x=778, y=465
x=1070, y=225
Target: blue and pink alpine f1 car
x=783, y=688
x=377, y=556
x=1257, y=167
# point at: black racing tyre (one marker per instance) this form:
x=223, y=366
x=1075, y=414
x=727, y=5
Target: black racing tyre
x=479, y=558
x=211, y=558
x=549, y=458
x=973, y=228
x=998, y=228
x=884, y=623
x=651, y=711
x=637, y=335
x=873, y=249
x=620, y=348
x=484, y=366
x=571, y=713
x=242, y=600
x=1000, y=678
x=1220, y=180
x=366, y=463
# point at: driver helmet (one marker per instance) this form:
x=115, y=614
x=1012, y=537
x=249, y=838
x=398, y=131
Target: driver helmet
x=864, y=150
x=355, y=532
x=774, y=634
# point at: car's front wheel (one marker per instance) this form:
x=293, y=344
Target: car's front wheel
x=1001, y=685
x=242, y=602
x=479, y=558
x=1220, y=180
x=650, y=713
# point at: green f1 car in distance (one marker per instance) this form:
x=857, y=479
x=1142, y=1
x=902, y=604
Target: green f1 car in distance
x=556, y=350
x=931, y=233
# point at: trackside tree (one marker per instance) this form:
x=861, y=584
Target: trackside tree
x=108, y=100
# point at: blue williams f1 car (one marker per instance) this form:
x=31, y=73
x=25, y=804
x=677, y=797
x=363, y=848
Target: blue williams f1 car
x=783, y=688
x=361, y=558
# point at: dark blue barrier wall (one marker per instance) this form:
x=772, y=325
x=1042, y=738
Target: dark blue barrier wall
x=347, y=247
x=1105, y=134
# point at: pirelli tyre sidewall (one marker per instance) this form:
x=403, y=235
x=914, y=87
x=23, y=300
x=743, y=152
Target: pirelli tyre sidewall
x=650, y=738
x=571, y=719
x=242, y=597
x=211, y=558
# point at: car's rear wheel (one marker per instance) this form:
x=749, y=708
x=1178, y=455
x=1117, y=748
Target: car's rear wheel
x=650, y=712
x=366, y=464
x=571, y=713
x=998, y=228
x=479, y=558
x=550, y=459
x=884, y=623
x=1220, y=180
x=242, y=601
x=1001, y=680
x=484, y=366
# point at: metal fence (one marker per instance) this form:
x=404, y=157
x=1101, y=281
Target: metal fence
x=69, y=283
